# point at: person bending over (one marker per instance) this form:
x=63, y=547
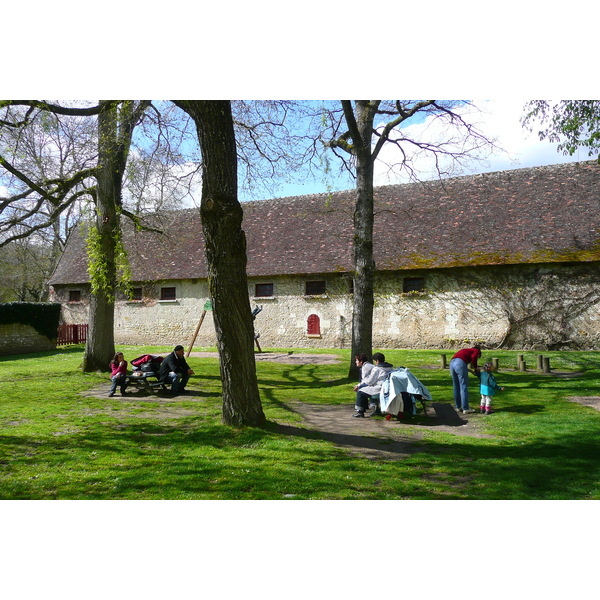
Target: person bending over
x=459, y=369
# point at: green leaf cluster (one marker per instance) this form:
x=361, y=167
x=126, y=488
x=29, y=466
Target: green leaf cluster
x=572, y=124
x=98, y=266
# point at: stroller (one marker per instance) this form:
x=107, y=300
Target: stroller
x=400, y=393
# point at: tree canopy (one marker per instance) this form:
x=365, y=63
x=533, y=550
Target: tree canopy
x=573, y=124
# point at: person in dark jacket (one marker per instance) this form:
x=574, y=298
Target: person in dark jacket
x=175, y=370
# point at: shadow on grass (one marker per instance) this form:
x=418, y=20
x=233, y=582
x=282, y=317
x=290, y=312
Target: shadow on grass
x=366, y=446
x=524, y=409
x=47, y=353
x=193, y=458
x=445, y=414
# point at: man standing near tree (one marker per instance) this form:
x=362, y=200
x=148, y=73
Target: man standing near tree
x=175, y=370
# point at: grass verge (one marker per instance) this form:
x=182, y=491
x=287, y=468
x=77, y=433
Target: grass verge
x=58, y=442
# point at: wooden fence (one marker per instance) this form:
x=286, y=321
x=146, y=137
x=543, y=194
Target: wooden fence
x=71, y=334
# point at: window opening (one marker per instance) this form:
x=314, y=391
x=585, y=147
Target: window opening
x=168, y=293
x=136, y=293
x=262, y=290
x=315, y=288
x=413, y=284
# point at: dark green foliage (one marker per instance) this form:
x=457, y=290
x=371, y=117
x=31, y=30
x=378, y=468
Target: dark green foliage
x=42, y=316
x=572, y=124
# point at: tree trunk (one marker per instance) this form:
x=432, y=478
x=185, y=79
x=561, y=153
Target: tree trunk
x=100, y=346
x=364, y=263
x=364, y=267
x=226, y=258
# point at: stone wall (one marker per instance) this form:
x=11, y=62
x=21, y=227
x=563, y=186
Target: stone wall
x=16, y=338
x=529, y=306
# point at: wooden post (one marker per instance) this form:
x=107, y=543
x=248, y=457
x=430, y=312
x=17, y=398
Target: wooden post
x=540, y=362
x=495, y=364
x=443, y=356
x=522, y=365
x=546, y=364
x=196, y=333
x=519, y=359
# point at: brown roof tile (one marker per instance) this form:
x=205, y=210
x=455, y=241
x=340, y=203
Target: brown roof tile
x=541, y=214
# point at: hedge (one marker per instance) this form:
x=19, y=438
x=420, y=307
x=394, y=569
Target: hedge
x=42, y=316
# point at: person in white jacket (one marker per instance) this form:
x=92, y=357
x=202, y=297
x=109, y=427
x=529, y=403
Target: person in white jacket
x=372, y=377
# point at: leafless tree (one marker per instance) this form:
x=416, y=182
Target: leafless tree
x=357, y=132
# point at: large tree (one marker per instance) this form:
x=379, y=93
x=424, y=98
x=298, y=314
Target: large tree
x=116, y=122
x=226, y=258
x=85, y=164
x=39, y=201
x=361, y=129
x=573, y=124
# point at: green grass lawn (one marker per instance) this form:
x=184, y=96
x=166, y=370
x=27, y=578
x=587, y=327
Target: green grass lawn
x=57, y=443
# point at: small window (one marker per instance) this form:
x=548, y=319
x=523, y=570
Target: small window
x=136, y=294
x=315, y=288
x=74, y=295
x=168, y=293
x=313, y=325
x=263, y=290
x=413, y=284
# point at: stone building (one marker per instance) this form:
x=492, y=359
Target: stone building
x=506, y=258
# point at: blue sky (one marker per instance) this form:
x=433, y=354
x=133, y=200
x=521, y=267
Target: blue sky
x=499, y=119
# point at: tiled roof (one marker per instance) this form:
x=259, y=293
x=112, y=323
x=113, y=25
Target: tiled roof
x=533, y=215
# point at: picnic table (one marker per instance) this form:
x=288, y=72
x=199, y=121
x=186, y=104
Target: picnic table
x=146, y=380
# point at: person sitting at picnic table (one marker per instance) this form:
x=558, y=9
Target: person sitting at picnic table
x=459, y=368
x=372, y=377
x=118, y=374
x=175, y=370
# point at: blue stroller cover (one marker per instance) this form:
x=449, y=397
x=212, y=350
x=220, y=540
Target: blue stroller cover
x=401, y=380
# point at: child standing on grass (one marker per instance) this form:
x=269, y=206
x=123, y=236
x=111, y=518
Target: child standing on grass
x=488, y=387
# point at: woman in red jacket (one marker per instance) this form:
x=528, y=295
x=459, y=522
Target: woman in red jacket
x=459, y=368
x=118, y=374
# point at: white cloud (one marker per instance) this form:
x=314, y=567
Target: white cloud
x=499, y=120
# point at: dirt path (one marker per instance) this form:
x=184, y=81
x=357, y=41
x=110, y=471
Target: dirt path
x=377, y=438
x=290, y=358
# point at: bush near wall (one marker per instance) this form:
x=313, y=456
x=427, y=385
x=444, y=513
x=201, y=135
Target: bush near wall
x=28, y=327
